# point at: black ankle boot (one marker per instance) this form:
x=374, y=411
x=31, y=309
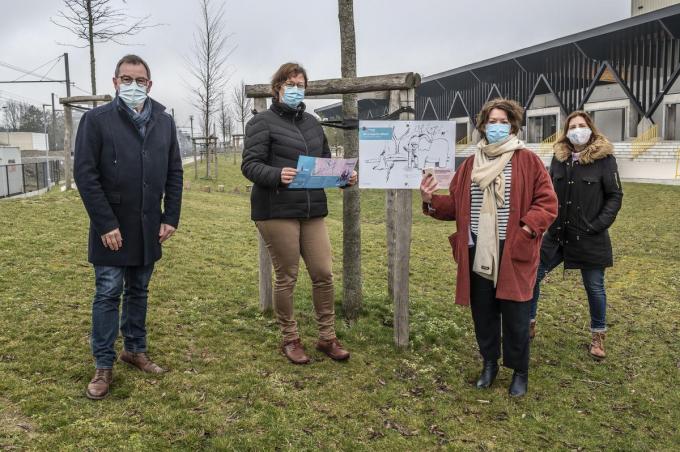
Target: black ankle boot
x=520, y=382
x=488, y=375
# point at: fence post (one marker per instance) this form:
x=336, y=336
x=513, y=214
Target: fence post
x=7, y=178
x=403, y=218
x=265, y=262
x=68, y=129
x=23, y=178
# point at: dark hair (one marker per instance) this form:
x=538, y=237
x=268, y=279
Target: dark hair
x=286, y=71
x=132, y=59
x=512, y=108
x=589, y=122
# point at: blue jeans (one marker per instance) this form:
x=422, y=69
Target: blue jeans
x=111, y=282
x=593, y=281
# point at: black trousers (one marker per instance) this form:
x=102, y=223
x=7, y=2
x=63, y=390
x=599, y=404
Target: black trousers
x=499, y=321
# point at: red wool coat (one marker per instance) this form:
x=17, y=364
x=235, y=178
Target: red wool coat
x=533, y=202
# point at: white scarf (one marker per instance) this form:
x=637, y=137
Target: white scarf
x=487, y=173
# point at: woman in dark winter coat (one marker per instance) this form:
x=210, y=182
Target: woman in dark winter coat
x=291, y=222
x=586, y=179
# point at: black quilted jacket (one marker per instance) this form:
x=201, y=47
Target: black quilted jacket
x=275, y=138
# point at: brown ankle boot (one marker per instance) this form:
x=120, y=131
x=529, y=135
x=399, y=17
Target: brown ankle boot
x=295, y=352
x=597, y=346
x=532, y=328
x=333, y=348
x=99, y=385
x=141, y=361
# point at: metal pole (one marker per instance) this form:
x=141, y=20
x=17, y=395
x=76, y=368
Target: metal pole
x=68, y=76
x=53, y=141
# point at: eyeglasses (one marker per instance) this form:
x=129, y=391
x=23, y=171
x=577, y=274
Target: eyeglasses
x=126, y=80
x=292, y=85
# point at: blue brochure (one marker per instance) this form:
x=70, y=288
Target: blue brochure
x=315, y=172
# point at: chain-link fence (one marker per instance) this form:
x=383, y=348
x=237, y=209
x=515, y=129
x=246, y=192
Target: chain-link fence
x=27, y=177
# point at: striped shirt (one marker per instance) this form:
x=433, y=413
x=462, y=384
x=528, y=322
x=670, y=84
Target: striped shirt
x=503, y=212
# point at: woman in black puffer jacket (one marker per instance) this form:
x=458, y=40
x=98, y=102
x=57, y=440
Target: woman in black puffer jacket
x=291, y=222
x=586, y=179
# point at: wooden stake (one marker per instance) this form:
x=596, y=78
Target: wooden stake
x=403, y=219
x=265, y=262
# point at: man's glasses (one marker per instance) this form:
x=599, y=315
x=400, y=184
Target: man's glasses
x=141, y=81
x=292, y=85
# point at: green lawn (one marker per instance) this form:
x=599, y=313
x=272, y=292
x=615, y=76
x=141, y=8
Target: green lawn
x=229, y=388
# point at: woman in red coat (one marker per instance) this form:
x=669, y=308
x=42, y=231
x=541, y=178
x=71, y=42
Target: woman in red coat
x=502, y=200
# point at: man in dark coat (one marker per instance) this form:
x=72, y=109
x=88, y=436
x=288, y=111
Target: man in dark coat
x=127, y=163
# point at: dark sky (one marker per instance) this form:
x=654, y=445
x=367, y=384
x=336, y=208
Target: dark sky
x=427, y=36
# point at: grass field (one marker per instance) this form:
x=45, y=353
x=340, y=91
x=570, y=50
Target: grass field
x=229, y=388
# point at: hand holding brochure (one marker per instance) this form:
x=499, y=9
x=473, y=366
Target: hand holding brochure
x=313, y=172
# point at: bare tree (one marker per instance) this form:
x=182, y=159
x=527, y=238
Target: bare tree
x=95, y=22
x=226, y=123
x=208, y=66
x=242, y=105
x=351, y=216
x=14, y=113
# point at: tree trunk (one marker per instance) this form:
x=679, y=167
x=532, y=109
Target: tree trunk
x=90, y=36
x=351, y=218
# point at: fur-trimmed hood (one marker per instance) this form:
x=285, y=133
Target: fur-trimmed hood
x=598, y=149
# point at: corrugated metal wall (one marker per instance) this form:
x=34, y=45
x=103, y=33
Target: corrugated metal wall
x=645, y=6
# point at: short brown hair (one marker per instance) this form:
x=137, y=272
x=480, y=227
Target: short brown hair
x=132, y=59
x=591, y=125
x=286, y=71
x=512, y=108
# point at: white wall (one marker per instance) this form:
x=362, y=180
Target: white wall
x=638, y=7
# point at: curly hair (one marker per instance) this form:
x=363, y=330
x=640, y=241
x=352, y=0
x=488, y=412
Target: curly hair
x=512, y=108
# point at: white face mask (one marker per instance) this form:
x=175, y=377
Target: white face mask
x=579, y=136
x=133, y=94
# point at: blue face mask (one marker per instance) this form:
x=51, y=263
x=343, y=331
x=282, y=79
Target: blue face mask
x=133, y=94
x=292, y=96
x=497, y=132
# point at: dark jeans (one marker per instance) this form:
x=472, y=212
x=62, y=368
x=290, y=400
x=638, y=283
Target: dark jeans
x=493, y=317
x=111, y=282
x=593, y=281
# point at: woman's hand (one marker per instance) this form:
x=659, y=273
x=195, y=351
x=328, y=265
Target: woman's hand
x=353, y=179
x=427, y=187
x=287, y=175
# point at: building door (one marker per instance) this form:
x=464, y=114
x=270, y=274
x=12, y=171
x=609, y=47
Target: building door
x=541, y=127
x=672, y=126
x=461, y=131
x=612, y=123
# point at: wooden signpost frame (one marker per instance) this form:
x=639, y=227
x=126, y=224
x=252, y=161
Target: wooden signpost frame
x=400, y=90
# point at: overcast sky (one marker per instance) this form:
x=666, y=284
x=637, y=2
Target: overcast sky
x=427, y=36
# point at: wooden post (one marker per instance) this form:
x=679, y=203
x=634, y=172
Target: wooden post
x=265, y=267
x=389, y=212
x=403, y=218
x=68, y=146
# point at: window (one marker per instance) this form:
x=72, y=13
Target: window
x=541, y=127
x=612, y=123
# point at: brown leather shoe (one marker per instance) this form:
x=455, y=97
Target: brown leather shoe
x=295, y=352
x=532, y=328
x=333, y=348
x=141, y=361
x=597, y=346
x=99, y=385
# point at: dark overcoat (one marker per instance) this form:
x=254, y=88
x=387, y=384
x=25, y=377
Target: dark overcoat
x=128, y=182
